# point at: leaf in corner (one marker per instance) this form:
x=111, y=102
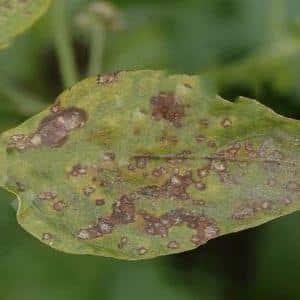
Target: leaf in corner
x=135, y=165
x=17, y=16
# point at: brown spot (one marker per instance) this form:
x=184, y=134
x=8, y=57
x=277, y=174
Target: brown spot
x=47, y=195
x=88, y=234
x=173, y=245
x=18, y=141
x=188, y=85
x=177, y=185
x=105, y=226
x=141, y=162
x=197, y=240
x=109, y=156
x=218, y=165
x=249, y=148
x=154, y=226
x=17, y=137
x=47, y=236
x=159, y=172
x=198, y=202
x=226, y=123
x=230, y=152
x=152, y=191
x=123, y=211
x=166, y=106
x=200, y=186
x=210, y=232
x=59, y=206
x=106, y=79
x=100, y=202
x=78, y=170
x=203, y=172
x=55, y=108
x=54, y=129
x=88, y=191
x=131, y=167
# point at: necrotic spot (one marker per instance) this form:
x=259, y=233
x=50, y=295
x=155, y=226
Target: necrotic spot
x=167, y=106
x=54, y=129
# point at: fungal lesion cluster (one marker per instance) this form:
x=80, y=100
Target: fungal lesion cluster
x=168, y=106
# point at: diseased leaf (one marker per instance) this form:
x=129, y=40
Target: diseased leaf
x=135, y=165
x=18, y=15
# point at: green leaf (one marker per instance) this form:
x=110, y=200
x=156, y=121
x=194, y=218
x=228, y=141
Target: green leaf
x=135, y=165
x=18, y=15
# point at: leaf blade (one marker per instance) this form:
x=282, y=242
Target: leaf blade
x=135, y=165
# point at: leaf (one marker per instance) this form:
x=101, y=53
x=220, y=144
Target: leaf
x=135, y=165
x=18, y=15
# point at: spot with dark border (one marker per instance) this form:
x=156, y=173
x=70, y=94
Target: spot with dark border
x=167, y=106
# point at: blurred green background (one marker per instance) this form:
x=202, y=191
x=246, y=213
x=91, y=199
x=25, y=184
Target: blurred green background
x=243, y=47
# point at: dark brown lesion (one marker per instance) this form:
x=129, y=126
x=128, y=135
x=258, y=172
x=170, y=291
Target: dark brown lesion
x=56, y=107
x=175, y=187
x=107, y=79
x=167, y=106
x=48, y=195
x=47, y=236
x=59, y=206
x=206, y=228
x=78, y=170
x=89, y=190
x=53, y=130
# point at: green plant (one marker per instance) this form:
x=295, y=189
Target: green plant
x=140, y=164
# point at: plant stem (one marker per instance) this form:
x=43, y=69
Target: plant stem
x=63, y=44
x=277, y=16
x=98, y=36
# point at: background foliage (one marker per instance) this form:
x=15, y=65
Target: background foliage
x=249, y=48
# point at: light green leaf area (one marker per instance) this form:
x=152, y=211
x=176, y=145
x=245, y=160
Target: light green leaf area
x=135, y=165
x=18, y=15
